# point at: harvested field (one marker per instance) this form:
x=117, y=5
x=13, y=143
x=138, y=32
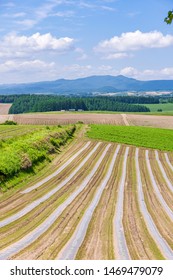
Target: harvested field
x=4, y=108
x=68, y=118
x=102, y=201
x=88, y=118
x=152, y=121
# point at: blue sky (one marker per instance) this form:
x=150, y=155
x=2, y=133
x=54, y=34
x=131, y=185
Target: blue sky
x=53, y=39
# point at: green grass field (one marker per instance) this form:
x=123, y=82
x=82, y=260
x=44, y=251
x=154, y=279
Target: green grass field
x=165, y=107
x=156, y=138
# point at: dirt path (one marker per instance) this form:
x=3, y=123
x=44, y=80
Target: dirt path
x=72, y=247
x=120, y=241
x=161, y=243
x=124, y=116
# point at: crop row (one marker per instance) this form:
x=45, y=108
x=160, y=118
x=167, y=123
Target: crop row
x=102, y=201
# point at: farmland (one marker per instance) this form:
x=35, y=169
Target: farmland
x=64, y=118
x=165, y=107
x=139, y=136
x=4, y=108
x=115, y=199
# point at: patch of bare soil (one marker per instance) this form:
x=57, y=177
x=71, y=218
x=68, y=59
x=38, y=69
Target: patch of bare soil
x=4, y=108
x=152, y=121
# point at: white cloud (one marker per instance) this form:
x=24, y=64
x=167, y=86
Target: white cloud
x=132, y=41
x=95, y=6
x=26, y=23
x=148, y=74
x=13, y=45
x=15, y=15
x=115, y=56
x=129, y=71
x=64, y=14
x=82, y=54
x=29, y=66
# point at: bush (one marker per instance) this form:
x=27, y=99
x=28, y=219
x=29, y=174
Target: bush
x=9, y=123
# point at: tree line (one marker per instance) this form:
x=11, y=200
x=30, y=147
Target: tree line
x=45, y=103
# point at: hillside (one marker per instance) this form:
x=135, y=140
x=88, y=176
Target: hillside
x=88, y=85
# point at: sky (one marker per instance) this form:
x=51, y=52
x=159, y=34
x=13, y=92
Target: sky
x=43, y=40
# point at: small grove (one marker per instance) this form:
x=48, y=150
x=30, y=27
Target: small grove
x=155, y=138
x=21, y=154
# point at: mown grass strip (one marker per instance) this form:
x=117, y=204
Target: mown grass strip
x=156, y=138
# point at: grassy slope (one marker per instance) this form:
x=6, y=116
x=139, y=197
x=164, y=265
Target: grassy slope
x=156, y=138
x=21, y=153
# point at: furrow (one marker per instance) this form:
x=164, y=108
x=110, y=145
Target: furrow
x=165, y=191
x=32, y=236
x=37, y=202
x=140, y=243
x=162, y=244
x=168, y=161
x=20, y=201
x=131, y=214
x=120, y=241
x=54, y=239
x=156, y=189
x=169, y=184
x=72, y=247
x=45, y=180
x=18, y=229
x=98, y=241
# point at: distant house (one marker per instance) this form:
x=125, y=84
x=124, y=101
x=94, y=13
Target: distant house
x=72, y=110
x=80, y=110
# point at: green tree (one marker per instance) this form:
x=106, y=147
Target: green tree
x=169, y=17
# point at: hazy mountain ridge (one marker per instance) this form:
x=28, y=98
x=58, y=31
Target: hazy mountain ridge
x=88, y=85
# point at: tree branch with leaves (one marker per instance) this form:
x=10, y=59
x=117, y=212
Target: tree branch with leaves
x=169, y=17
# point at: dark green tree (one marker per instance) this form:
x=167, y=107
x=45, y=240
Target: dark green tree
x=169, y=17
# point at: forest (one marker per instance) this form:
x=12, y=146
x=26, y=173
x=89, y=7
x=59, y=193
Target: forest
x=45, y=103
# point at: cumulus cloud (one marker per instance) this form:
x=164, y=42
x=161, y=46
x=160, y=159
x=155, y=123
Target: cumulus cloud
x=33, y=65
x=132, y=41
x=13, y=45
x=148, y=74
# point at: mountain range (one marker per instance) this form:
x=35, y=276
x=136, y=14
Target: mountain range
x=88, y=85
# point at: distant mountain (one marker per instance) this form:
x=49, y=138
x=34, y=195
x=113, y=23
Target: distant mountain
x=88, y=85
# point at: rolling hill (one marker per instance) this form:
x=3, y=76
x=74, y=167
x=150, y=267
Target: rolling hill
x=88, y=85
